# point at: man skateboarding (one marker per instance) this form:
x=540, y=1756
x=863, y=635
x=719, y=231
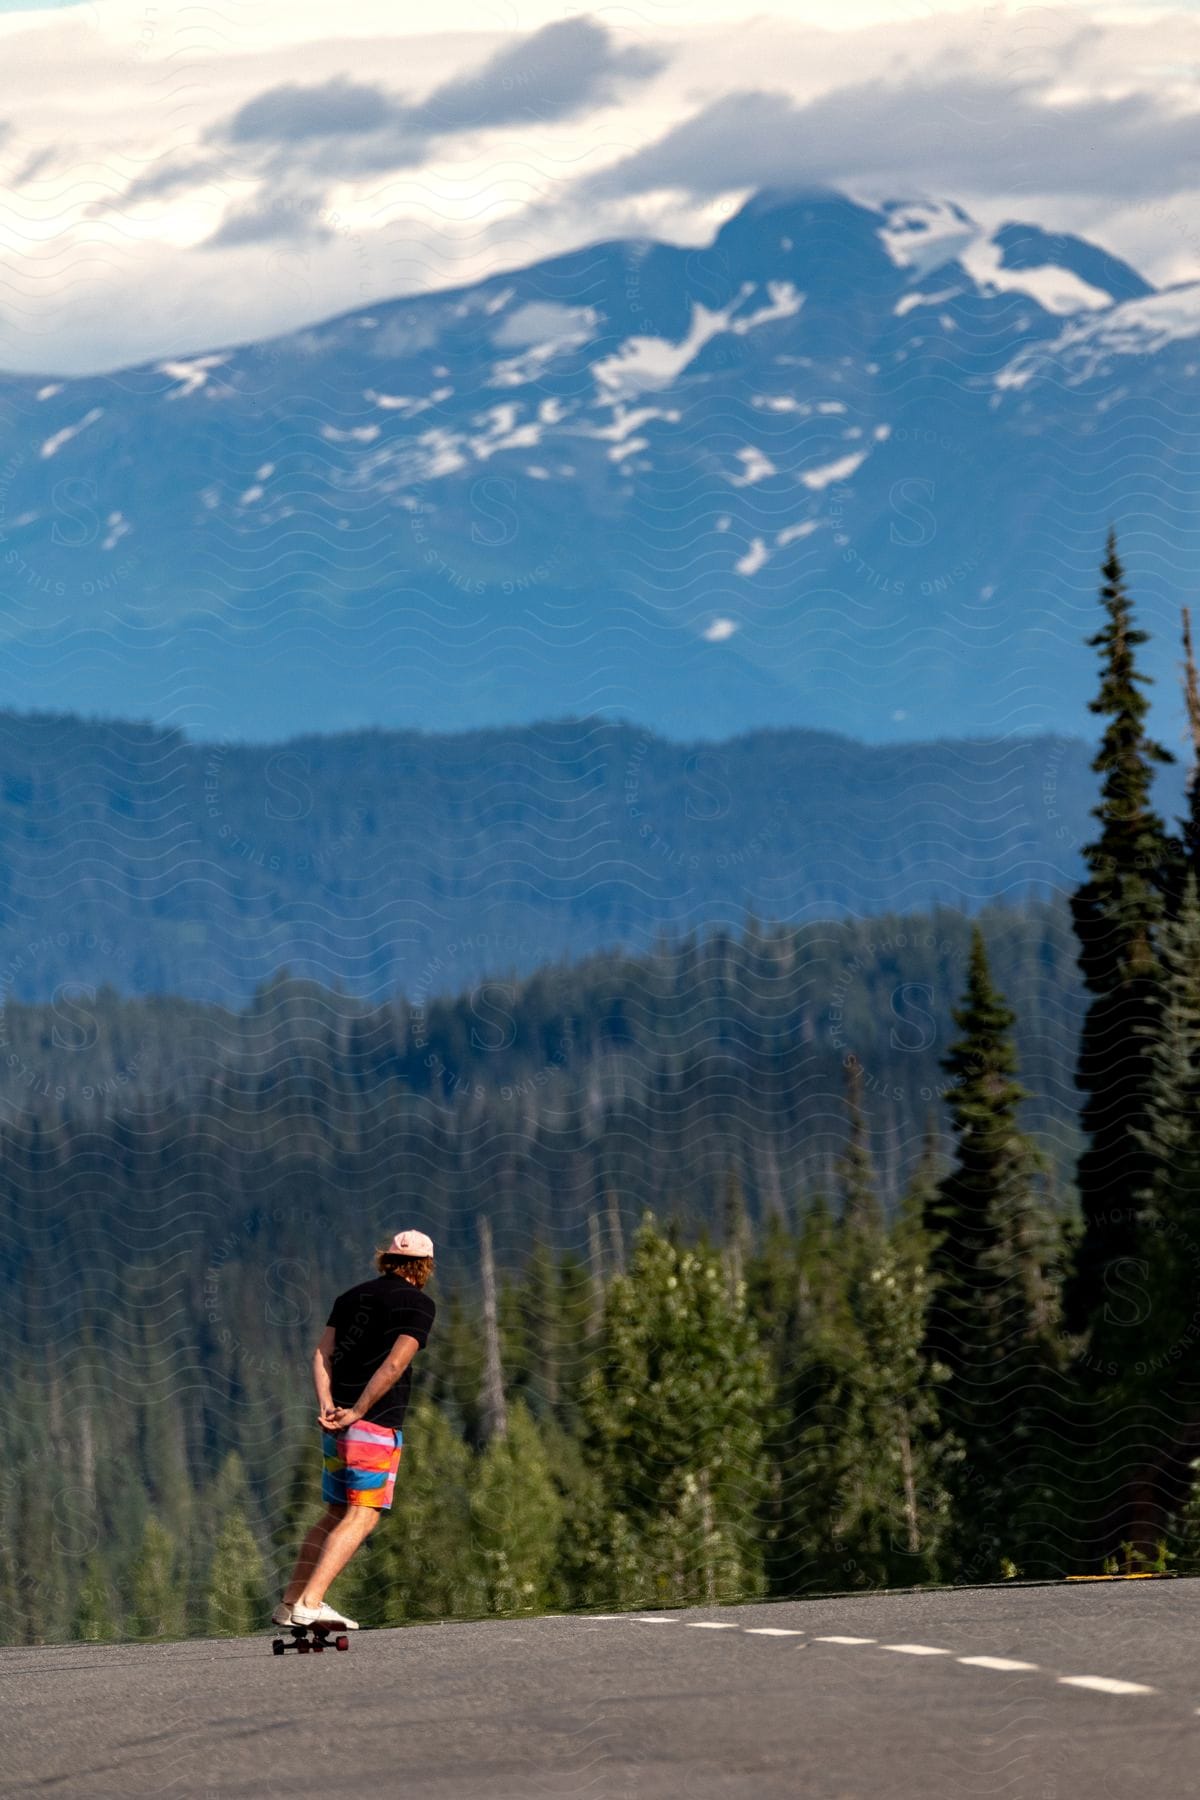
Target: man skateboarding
x=362, y=1374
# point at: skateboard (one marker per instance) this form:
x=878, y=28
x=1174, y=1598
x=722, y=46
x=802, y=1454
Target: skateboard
x=307, y=1638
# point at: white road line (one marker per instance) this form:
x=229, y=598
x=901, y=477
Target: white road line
x=1003, y=1663
x=710, y=1625
x=651, y=1619
x=771, y=1631
x=843, y=1640
x=1104, y=1685
x=915, y=1649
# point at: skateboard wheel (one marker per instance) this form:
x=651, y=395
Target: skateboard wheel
x=341, y=1643
x=277, y=1647
x=318, y=1646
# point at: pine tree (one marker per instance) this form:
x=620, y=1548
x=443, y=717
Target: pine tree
x=1183, y=1536
x=919, y=1195
x=675, y=1414
x=862, y=1498
x=157, y=1609
x=515, y=1517
x=10, y=1627
x=492, y=1404
x=94, y=1622
x=1116, y=913
x=537, y=1370
x=860, y=1209
x=1158, y=1390
x=992, y=1318
x=893, y=1507
x=736, y=1229
x=236, y=1601
x=773, y=1291
x=38, y=1572
x=1190, y=858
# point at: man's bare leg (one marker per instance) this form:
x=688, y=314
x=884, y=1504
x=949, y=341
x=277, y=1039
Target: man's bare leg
x=310, y=1551
x=351, y=1531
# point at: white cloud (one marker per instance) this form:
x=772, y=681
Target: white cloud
x=1064, y=117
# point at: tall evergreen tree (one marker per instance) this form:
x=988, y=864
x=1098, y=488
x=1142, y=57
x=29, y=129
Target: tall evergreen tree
x=38, y=1565
x=515, y=1517
x=492, y=1403
x=675, y=1413
x=860, y=1208
x=10, y=1628
x=861, y=1498
x=1116, y=912
x=736, y=1229
x=237, y=1587
x=991, y=1327
x=1191, y=697
x=1158, y=1390
x=919, y=1194
x=157, y=1600
x=94, y=1621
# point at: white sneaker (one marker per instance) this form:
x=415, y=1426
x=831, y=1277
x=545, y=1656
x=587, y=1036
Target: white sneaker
x=321, y=1615
x=282, y=1614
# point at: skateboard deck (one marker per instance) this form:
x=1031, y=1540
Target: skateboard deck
x=309, y=1638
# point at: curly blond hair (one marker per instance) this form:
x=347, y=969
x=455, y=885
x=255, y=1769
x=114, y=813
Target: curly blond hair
x=416, y=1269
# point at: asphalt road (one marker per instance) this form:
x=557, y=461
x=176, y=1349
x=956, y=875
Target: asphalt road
x=645, y=1707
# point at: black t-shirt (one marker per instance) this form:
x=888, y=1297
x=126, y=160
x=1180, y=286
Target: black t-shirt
x=368, y=1319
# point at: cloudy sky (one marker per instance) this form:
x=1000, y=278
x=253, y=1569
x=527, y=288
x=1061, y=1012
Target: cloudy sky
x=181, y=176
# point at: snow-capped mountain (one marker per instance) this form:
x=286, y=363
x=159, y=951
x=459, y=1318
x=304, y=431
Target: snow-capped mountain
x=845, y=466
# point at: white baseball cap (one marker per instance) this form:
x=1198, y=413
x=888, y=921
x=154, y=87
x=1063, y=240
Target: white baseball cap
x=411, y=1243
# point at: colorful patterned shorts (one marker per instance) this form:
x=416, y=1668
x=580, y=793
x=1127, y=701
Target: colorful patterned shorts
x=360, y=1465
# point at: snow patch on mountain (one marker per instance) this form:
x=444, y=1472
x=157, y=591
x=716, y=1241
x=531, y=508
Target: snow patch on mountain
x=791, y=533
x=1137, y=328
x=540, y=331
x=118, y=526
x=755, y=467
x=924, y=235
x=1056, y=290
x=829, y=473
x=353, y=434
x=54, y=444
x=405, y=403
x=191, y=374
x=626, y=420
x=504, y=433
x=755, y=557
x=908, y=302
x=443, y=454
x=643, y=364
x=783, y=302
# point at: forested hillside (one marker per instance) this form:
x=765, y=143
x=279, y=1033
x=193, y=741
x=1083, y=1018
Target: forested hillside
x=397, y=862
x=183, y=1188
